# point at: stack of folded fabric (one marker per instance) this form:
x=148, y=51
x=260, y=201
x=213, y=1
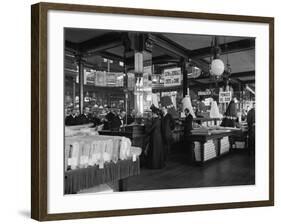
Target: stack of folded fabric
x=240, y=144
x=209, y=150
x=197, y=154
x=224, y=145
x=93, y=158
x=115, y=149
x=125, y=146
x=108, y=150
x=85, y=149
x=81, y=152
x=73, y=156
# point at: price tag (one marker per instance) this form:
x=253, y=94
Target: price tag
x=134, y=158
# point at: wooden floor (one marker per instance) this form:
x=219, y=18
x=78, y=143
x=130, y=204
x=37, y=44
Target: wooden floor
x=236, y=168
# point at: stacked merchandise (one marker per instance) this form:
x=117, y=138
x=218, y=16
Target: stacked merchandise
x=125, y=145
x=73, y=160
x=186, y=102
x=240, y=145
x=209, y=150
x=81, y=152
x=224, y=145
x=214, y=112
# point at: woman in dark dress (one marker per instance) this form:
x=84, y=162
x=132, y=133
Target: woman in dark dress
x=230, y=116
x=155, y=153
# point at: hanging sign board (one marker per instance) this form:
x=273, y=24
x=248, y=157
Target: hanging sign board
x=224, y=97
x=204, y=93
x=172, y=77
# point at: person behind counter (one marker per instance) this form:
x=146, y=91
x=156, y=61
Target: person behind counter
x=167, y=126
x=131, y=117
x=116, y=121
x=154, y=149
x=84, y=118
x=108, y=118
x=70, y=119
x=95, y=119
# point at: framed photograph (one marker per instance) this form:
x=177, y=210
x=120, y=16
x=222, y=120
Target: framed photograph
x=138, y=111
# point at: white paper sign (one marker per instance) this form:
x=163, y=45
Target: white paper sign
x=225, y=97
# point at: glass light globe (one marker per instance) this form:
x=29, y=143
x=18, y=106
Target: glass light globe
x=217, y=67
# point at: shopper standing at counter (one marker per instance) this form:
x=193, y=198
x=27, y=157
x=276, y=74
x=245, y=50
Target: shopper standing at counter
x=155, y=150
x=230, y=116
x=167, y=126
x=251, y=128
x=187, y=124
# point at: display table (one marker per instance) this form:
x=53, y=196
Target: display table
x=214, y=138
x=78, y=179
x=135, y=133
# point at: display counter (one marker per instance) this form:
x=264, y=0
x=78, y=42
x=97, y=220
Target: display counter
x=92, y=160
x=84, y=178
x=212, y=143
x=135, y=133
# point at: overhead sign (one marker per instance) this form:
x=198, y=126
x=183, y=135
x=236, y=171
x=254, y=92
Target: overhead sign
x=225, y=97
x=204, y=93
x=172, y=77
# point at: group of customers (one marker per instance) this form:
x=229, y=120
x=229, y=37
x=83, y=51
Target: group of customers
x=109, y=118
x=159, y=132
x=73, y=117
x=159, y=136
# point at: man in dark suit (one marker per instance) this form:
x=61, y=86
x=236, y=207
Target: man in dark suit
x=167, y=126
x=251, y=121
x=84, y=118
x=187, y=124
x=70, y=119
x=108, y=118
x=95, y=119
x=116, y=122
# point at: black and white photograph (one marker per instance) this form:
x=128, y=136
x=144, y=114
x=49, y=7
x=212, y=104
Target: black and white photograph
x=157, y=111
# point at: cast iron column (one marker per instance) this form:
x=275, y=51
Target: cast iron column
x=81, y=83
x=184, y=76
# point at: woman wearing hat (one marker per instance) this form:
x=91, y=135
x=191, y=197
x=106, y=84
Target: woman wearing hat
x=155, y=153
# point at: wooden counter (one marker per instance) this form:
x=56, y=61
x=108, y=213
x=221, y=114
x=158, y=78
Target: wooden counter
x=135, y=133
x=214, y=137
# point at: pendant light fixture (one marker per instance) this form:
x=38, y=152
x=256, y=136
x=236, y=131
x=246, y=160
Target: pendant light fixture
x=216, y=64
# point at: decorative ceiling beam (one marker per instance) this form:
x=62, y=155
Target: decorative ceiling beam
x=226, y=48
x=176, y=49
x=243, y=74
x=252, y=81
x=233, y=77
x=71, y=47
x=101, y=43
